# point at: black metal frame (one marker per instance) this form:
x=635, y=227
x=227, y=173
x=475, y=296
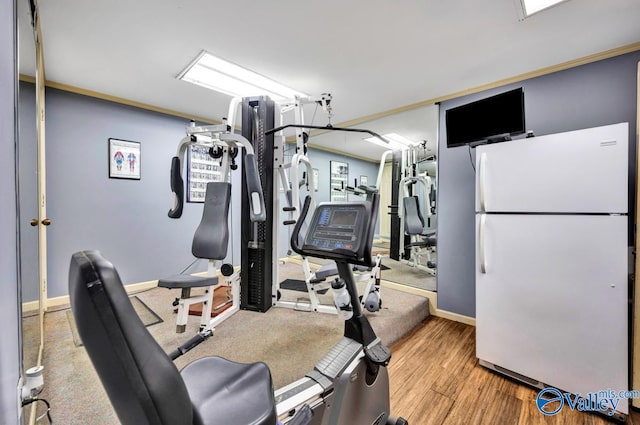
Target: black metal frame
x=256, y=270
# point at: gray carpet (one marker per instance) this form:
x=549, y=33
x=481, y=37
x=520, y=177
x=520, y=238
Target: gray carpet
x=401, y=273
x=290, y=342
x=148, y=317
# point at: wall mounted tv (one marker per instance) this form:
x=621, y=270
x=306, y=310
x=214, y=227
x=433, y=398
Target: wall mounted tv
x=499, y=115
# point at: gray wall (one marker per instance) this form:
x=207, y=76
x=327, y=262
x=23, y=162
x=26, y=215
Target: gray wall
x=10, y=349
x=320, y=160
x=591, y=95
x=125, y=219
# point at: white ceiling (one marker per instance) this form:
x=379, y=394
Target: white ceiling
x=371, y=55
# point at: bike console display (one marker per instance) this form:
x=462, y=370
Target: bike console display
x=339, y=231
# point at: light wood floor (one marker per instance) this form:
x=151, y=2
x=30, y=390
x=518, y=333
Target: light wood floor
x=436, y=379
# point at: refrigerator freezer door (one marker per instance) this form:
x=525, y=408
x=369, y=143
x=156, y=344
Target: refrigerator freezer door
x=582, y=171
x=552, y=302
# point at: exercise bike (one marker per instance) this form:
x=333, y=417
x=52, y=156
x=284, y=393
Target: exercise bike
x=348, y=386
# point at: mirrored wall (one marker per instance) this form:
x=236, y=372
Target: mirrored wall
x=407, y=175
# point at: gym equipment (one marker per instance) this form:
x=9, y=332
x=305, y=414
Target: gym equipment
x=349, y=386
x=257, y=257
x=421, y=244
x=223, y=144
x=316, y=282
x=418, y=195
x=212, y=235
x=210, y=242
x=414, y=211
x=291, y=183
x=141, y=381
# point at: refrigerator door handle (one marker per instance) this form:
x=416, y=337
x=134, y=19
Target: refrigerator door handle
x=481, y=180
x=481, y=237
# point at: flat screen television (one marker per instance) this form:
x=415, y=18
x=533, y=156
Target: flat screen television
x=502, y=114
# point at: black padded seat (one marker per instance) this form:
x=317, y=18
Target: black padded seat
x=187, y=281
x=143, y=384
x=327, y=270
x=419, y=244
x=425, y=243
x=230, y=393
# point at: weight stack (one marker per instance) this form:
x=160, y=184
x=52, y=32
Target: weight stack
x=256, y=272
x=395, y=247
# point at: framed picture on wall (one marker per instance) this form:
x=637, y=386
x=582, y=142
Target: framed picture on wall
x=201, y=169
x=124, y=159
x=339, y=177
x=364, y=180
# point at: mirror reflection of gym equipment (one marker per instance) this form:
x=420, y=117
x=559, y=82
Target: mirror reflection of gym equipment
x=411, y=179
x=417, y=209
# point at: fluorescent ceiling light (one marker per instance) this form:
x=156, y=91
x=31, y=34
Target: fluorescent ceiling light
x=217, y=74
x=529, y=7
x=395, y=140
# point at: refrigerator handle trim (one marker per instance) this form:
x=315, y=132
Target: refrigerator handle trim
x=481, y=180
x=482, y=253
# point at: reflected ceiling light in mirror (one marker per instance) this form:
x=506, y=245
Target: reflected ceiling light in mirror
x=222, y=76
x=527, y=8
x=396, y=141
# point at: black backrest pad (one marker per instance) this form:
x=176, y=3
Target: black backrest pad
x=141, y=381
x=257, y=211
x=212, y=235
x=177, y=187
x=413, y=221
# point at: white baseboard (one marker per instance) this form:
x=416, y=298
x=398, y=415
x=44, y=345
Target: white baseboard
x=57, y=303
x=30, y=307
x=455, y=317
x=433, y=302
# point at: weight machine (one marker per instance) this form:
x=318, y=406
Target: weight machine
x=210, y=241
x=416, y=209
x=265, y=158
x=348, y=386
x=293, y=175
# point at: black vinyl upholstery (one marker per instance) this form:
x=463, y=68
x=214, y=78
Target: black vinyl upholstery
x=211, y=238
x=238, y=394
x=141, y=381
x=413, y=220
x=212, y=235
x=187, y=281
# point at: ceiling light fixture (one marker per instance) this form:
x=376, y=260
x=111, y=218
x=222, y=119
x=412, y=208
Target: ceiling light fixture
x=396, y=141
x=527, y=8
x=225, y=77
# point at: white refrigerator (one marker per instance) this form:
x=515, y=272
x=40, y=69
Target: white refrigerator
x=551, y=259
